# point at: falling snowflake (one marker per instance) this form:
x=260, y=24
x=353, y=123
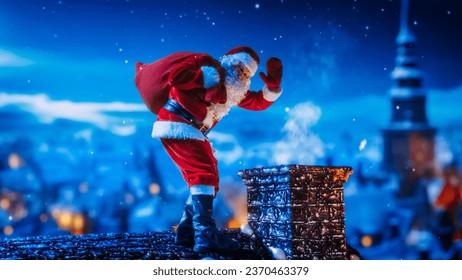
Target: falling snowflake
x=363, y=144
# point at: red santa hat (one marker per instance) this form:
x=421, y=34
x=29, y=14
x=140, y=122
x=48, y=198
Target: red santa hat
x=246, y=56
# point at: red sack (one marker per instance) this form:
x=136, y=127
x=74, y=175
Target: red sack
x=152, y=79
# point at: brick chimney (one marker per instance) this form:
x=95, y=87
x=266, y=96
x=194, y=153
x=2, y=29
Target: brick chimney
x=299, y=209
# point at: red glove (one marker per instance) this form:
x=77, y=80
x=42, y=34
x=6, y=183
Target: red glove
x=274, y=76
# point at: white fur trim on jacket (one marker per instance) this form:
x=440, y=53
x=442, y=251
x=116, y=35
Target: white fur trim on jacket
x=175, y=130
x=211, y=76
x=202, y=190
x=270, y=95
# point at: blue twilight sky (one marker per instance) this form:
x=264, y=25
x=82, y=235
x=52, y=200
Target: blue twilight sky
x=338, y=55
x=85, y=50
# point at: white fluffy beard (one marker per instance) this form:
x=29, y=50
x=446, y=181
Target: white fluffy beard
x=235, y=91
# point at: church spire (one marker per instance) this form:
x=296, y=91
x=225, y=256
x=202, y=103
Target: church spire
x=407, y=95
x=405, y=35
x=408, y=139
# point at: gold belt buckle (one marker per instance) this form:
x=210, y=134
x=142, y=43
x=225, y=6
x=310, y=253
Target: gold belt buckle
x=204, y=129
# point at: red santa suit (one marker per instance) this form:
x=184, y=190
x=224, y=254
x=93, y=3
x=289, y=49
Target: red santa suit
x=207, y=90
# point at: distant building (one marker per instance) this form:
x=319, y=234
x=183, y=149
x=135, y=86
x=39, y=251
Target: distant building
x=409, y=139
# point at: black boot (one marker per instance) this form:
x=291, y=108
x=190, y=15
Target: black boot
x=206, y=235
x=185, y=230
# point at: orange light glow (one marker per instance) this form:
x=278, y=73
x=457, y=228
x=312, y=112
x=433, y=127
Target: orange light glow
x=15, y=161
x=65, y=220
x=154, y=188
x=366, y=241
x=233, y=223
x=8, y=230
x=75, y=223
x=78, y=223
x=5, y=203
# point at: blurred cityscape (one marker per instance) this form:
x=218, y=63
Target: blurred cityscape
x=59, y=179
x=74, y=178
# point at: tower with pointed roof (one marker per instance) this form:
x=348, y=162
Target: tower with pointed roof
x=408, y=138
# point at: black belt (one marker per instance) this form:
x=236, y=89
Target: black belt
x=177, y=109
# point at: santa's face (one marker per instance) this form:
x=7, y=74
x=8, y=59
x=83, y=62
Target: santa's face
x=237, y=79
x=243, y=73
x=237, y=83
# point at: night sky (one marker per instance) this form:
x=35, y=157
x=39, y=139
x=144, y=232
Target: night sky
x=85, y=50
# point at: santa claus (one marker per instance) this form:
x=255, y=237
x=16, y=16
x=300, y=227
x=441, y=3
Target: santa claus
x=200, y=91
